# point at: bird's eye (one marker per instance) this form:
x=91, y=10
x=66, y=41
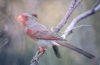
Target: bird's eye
x=35, y=15
x=25, y=17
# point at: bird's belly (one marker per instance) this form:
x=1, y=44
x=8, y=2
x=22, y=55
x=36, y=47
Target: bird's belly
x=44, y=43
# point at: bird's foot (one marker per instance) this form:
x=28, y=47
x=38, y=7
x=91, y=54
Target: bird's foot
x=34, y=60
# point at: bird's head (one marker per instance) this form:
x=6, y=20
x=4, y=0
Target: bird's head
x=26, y=17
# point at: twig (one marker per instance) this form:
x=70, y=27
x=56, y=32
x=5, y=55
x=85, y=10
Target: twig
x=70, y=10
x=81, y=17
x=81, y=26
x=96, y=4
x=35, y=59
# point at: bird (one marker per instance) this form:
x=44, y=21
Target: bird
x=44, y=37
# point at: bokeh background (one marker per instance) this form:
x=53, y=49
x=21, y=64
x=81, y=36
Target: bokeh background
x=16, y=48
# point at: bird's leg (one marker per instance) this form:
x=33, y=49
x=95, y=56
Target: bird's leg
x=39, y=53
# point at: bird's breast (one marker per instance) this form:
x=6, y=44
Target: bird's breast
x=30, y=33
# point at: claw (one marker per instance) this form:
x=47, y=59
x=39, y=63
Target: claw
x=35, y=61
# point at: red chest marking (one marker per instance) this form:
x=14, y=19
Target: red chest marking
x=29, y=32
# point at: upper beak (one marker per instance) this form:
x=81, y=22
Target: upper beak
x=22, y=18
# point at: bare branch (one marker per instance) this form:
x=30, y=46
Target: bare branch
x=82, y=26
x=70, y=10
x=82, y=16
x=96, y=4
x=35, y=59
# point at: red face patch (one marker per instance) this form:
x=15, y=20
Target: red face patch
x=23, y=19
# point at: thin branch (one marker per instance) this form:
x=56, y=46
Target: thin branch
x=35, y=59
x=70, y=10
x=81, y=26
x=96, y=4
x=81, y=17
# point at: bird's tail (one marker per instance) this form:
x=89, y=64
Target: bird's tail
x=74, y=48
x=56, y=51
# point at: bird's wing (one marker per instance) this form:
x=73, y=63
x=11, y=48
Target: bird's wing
x=46, y=35
x=41, y=32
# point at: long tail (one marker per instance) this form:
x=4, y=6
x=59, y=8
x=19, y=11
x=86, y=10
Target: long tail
x=74, y=48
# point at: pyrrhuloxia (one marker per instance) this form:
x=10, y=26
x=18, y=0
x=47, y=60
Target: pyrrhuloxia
x=44, y=37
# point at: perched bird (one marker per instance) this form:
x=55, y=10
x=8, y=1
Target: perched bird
x=44, y=37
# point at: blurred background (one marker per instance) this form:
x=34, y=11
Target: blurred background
x=16, y=48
